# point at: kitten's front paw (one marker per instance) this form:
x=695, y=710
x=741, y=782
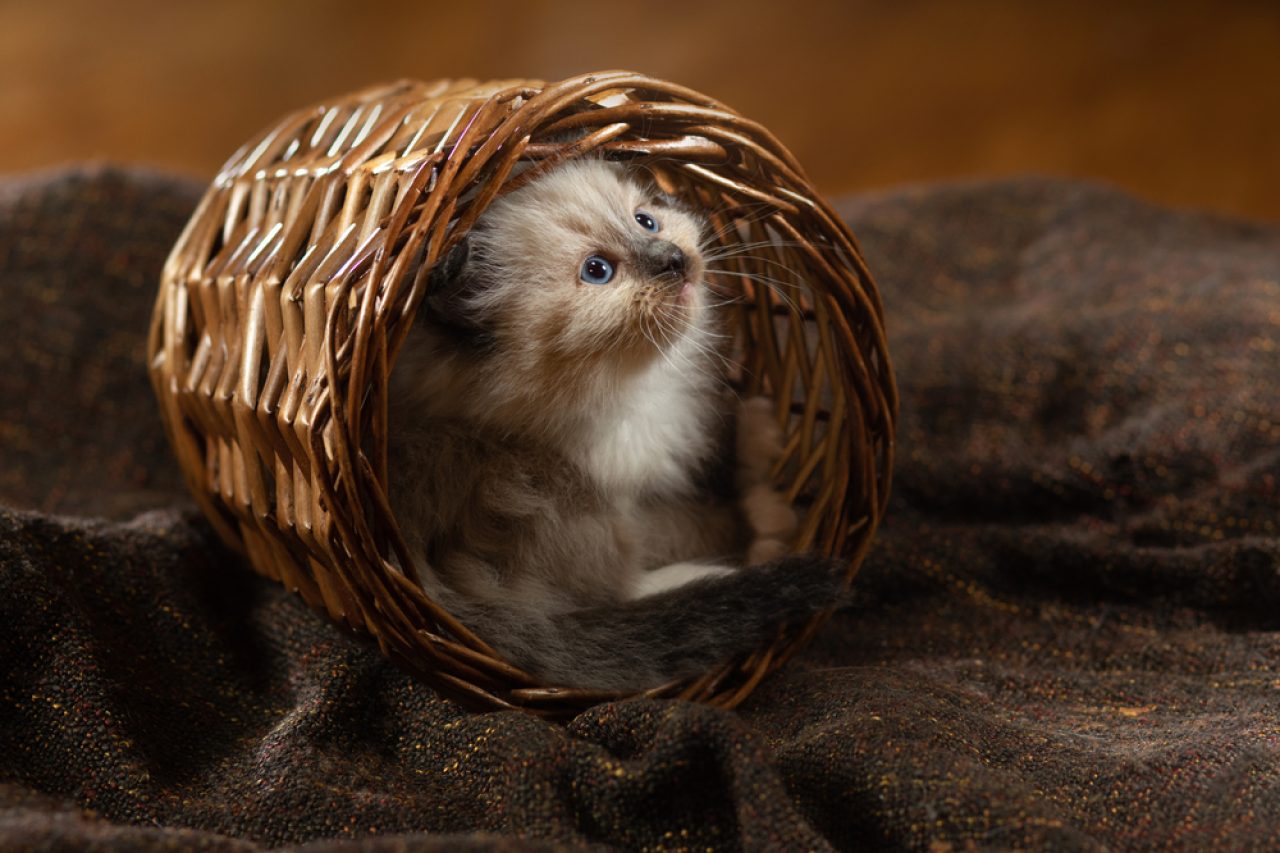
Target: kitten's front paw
x=759, y=440
x=772, y=520
x=766, y=551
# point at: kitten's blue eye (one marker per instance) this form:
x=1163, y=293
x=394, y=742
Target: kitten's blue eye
x=646, y=221
x=596, y=270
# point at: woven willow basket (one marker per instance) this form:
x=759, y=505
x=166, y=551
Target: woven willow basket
x=286, y=300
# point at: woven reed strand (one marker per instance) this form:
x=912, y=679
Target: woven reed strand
x=285, y=301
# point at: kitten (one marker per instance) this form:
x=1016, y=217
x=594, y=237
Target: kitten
x=565, y=468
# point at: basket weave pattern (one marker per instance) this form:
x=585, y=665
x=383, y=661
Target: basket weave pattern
x=286, y=300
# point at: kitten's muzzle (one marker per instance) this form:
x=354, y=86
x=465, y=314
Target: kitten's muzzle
x=663, y=259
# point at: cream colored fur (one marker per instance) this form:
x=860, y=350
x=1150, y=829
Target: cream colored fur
x=560, y=451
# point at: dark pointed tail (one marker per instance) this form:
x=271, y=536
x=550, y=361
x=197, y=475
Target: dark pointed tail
x=649, y=641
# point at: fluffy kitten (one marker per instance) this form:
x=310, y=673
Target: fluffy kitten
x=565, y=466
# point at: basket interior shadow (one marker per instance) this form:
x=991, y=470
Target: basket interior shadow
x=285, y=302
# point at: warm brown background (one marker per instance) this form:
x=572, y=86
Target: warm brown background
x=1178, y=101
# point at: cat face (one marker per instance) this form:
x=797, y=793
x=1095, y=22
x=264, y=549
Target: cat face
x=583, y=262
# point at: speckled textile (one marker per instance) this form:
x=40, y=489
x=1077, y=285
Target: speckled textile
x=1065, y=637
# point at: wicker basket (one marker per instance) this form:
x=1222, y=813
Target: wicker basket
x=285, y=302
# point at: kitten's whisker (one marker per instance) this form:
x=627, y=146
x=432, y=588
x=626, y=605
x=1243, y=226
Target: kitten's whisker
x=720, y=304
x=771, y=241
x=761, y=259
x=671, y=348
x=791, y=285
x=712, y=352
x=767, y=240
x=774, y=286
x=740, y=249
x=723, y=360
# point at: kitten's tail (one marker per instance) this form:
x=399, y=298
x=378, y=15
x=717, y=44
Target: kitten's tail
x=649, y=641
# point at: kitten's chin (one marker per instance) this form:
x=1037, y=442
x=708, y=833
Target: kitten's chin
x=661, y=320
x=684, y=305
x=668, y=325
x=687, y=296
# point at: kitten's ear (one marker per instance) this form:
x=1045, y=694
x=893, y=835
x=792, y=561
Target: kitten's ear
x=450, y=267
x=449, y=283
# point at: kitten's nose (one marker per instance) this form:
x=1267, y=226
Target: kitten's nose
x=664, y=258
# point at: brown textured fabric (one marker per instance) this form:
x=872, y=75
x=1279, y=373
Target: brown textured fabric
x=1065, y=635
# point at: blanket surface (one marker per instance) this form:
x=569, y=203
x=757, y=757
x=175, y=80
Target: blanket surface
x=1065, y=636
